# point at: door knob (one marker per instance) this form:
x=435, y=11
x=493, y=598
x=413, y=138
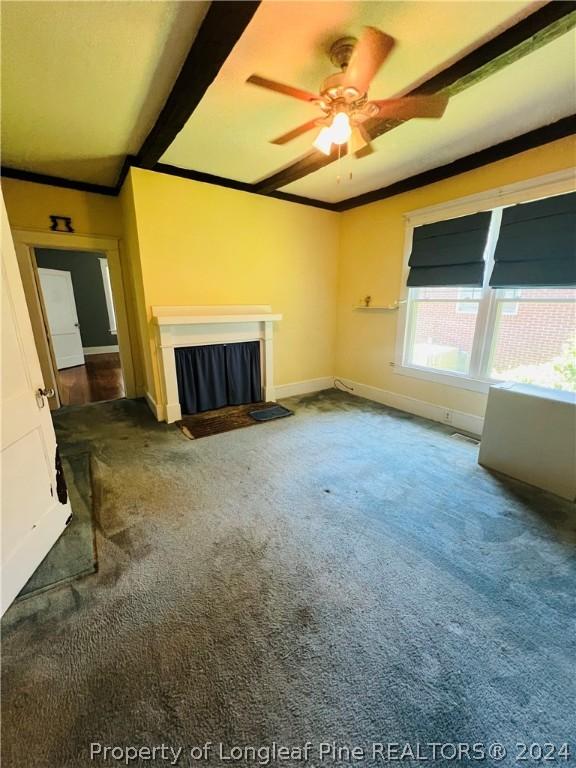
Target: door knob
x=41, y=393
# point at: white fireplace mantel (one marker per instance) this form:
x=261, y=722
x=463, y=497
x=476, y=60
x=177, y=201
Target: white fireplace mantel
x=199, y=325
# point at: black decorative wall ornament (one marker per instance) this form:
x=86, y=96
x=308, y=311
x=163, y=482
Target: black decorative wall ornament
x=61, y=224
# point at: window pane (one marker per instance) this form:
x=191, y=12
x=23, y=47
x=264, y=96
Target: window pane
x=537, y=293
x=445, y=293
x=535, y=342
x=441, y=336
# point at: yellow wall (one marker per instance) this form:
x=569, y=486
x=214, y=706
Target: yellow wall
x=134, y=290
x=185, y=242
x=203, y=244
x=370, y=263
x=30, y=205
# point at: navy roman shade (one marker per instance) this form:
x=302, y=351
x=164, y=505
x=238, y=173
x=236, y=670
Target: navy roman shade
x=537, y=244
x=449, y=252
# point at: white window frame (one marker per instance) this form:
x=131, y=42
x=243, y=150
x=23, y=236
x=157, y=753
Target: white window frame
x=495, y=201
x=464, y=301
x=108, y=294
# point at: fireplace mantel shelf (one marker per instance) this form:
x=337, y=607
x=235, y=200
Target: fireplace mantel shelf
x=209, y=319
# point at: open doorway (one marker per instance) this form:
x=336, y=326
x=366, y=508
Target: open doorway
x=27, y=243
x=80, y=319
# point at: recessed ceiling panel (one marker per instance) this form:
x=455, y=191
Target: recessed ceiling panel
x=229, y=133
x=83, y=82
x=534, y=91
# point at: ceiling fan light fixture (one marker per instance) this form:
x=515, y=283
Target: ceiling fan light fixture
x=340, y=128
x=344, y=99
x=323, y=141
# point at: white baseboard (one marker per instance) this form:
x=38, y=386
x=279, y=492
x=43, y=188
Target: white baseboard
x=156, y=409
x=303, y=387
x=449, y=416
x=101, y=350
x=172, y=412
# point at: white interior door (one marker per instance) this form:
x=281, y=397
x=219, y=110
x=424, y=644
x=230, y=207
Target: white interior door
x=60, y=304
x=31, y=516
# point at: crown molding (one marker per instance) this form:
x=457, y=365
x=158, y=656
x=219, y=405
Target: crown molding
x=531, y=140
x=56, y=181
x=240, y=186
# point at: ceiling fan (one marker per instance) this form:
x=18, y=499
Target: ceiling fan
x=343, y=96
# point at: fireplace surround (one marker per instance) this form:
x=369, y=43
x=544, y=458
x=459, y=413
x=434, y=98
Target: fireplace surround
x=190, y=326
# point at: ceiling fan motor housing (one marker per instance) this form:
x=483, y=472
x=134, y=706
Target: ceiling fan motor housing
x=335, y=96
x=341, y=51
x=333, y=89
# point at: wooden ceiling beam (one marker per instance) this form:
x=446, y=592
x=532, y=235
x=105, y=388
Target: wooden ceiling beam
x=221, y=29
x=541, y=27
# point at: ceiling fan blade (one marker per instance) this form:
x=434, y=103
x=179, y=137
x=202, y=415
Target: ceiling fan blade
x=370, y=52
x=359, y=144
x=412, y=106
x=287, y=90
x=295, y=132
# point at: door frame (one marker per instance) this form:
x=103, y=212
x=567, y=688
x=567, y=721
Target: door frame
x=25, y=241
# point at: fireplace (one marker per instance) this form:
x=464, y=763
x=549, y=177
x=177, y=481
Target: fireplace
x=179, y=328
x=216, y=375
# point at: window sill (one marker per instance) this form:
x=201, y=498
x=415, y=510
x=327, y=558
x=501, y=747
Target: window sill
x=448, y=379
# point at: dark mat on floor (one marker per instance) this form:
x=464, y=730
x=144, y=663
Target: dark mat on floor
x=74, y=554
x=226, y=419
x=269, y=414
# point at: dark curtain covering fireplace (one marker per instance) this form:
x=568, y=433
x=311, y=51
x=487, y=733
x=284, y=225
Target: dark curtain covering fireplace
x=217, y=375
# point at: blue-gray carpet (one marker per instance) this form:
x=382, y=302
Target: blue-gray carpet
x=348, y=574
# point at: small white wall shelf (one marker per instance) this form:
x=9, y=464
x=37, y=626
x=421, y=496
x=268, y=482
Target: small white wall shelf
x=377, y=307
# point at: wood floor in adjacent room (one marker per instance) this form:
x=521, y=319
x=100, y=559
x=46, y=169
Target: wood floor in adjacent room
x=99, y=379
x=347, y=574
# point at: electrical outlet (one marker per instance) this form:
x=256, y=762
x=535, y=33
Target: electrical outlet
x=448, y=416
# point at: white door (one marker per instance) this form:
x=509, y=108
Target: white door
x=31, y=516
x=58, y=295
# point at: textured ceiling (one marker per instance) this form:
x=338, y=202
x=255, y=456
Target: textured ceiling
x=534, y=91
x=228, y=134
x=83, y=82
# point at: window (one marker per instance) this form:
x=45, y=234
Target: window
x=467, y=307
x=536, y=343
x=441, y=328
x=108, y=294
x=510, y=307
x=482, y=334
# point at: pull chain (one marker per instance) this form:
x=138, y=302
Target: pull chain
x=339, y=167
